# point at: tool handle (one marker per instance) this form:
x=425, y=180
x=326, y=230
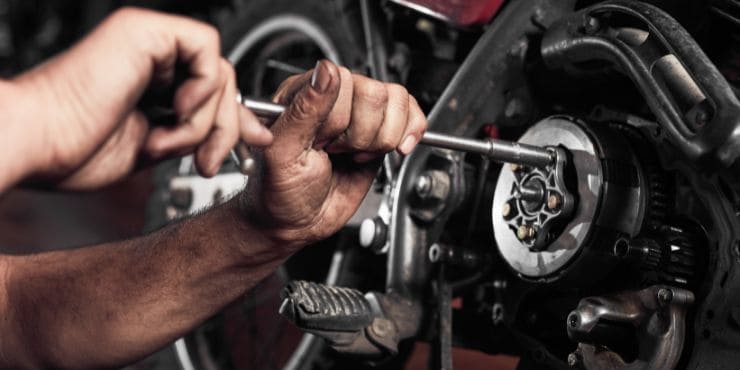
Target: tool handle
x=498, y=150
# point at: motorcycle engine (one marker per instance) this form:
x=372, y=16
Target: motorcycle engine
x=620, y=212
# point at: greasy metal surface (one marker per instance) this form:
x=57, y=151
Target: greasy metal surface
x=706, y=131
x=497, y=150
x=528, y=209
x=474, y=96
x=657, y=313
x=531, y=263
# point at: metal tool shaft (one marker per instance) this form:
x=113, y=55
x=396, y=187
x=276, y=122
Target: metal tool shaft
x=497, y=150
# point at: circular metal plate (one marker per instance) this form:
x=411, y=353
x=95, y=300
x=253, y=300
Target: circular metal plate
x=553, y=131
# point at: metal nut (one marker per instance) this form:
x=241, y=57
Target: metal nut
x=381, y=327
x=432, y=185
x=524, y=232
x=554, y=201
x=506, y=210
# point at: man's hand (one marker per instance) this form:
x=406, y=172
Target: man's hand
x=327, y=150
x=81, y=107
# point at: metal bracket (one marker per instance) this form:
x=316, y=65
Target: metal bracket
x=655, y=317
x=692, y=101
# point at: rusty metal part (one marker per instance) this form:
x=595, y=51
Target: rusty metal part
x=657, y=315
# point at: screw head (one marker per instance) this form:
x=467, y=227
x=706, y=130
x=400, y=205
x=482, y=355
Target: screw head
x=506, y=210
x=554, y=201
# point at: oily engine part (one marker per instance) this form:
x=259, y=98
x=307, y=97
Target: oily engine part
x=609, y=185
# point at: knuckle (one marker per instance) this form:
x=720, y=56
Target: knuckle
x=397, y=90
x=373, y=93
x=360, y=140
x=229, y=70
x=301, y=109
x=345, y=74
x=418, y=125
x=336, y=123
x=127, y=12
x=387, y=143
x=211, y=35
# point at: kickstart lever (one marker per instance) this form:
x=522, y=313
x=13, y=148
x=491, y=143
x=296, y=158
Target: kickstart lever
x=495, y=149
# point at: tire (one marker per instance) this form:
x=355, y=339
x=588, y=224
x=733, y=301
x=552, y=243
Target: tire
x=295, y=33
x=248, y=334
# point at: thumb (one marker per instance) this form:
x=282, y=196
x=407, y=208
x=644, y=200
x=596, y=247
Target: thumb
x=295, y=130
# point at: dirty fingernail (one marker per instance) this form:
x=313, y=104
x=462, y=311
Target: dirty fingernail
x=321, y=78
x=407, y=145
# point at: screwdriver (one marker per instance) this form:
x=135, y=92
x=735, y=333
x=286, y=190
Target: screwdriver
x=497, y=150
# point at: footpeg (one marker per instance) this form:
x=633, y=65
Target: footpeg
x=349, y=321
x=317, y=306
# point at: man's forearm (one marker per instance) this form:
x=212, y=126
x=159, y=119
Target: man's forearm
x=111, y=304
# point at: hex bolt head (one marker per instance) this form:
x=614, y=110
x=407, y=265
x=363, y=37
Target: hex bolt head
x=574, y=320
x=665, y=295
x=506, y=210
x=521, y=232
x=524, y=232
x=554, y=201
x=381, y=327
x=423, y=185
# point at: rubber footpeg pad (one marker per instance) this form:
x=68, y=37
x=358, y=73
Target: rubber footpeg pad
x=315, y=306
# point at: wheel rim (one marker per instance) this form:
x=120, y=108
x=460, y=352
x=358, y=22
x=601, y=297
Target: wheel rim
x=264, y=56
x=276, y=48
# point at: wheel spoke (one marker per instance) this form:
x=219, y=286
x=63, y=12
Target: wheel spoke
x=285, y=67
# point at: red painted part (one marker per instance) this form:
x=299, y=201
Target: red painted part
x=491, y=131
x=460, y=12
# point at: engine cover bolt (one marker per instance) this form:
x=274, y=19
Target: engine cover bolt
x=506, y=210
x=554, y=201
x=423, y=185
x=381, y=327
x=525, y=232
x=665, y=295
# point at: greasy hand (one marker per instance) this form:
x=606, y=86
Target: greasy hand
x=82, y=104
x=327, y=150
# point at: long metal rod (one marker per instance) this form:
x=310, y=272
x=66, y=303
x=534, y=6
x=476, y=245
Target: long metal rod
x=497, y=150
